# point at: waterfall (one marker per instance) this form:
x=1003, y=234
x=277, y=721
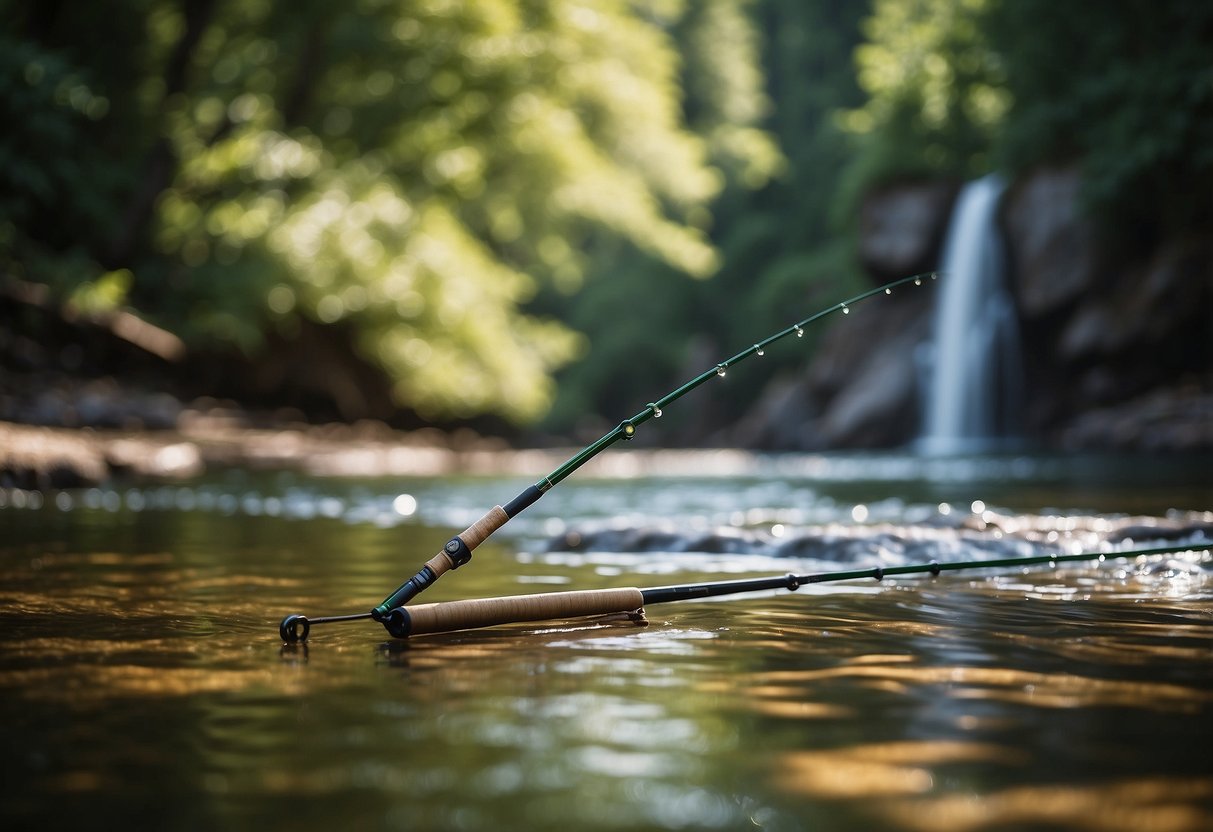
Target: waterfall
x=974, y=378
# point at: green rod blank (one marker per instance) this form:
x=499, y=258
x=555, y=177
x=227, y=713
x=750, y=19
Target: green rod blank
x=627, y=428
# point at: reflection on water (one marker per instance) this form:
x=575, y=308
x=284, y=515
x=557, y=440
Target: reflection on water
x=141, y=680
x=883, y=769
x=1159, y=805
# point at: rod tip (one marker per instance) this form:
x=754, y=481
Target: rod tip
x=294, y=628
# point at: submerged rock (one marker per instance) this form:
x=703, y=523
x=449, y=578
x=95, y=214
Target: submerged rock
x=980, y=536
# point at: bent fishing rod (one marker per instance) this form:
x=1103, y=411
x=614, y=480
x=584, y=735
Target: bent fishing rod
x=458, y=550
x=475, y=613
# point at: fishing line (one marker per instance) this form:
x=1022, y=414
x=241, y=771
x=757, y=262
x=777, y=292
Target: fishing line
x=458, y=550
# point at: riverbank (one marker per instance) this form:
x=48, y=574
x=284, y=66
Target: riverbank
x=43, y=458
x=46, y=458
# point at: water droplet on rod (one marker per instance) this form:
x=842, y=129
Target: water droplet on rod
x=888, y=291
x=918, y=281
x=799, y=331
x=656, y=410
x=758, y=349
x=720, y=370
x=845, y=310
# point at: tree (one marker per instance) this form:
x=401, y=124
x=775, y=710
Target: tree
x=936, y=93
x=645, y=323
x=1125, y=90
x=414, y=169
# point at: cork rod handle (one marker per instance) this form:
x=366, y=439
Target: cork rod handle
x=456, y=552
x=470, y=614
x=472, y=537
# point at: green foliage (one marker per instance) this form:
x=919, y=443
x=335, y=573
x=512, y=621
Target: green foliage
x=51, y=178
x=444, y=157
x=936, y=93
x=725, y=90
x=105, y=294
x=637, y=323
x=418, y=170
x=446, y=180
x=647, y=328
x=1126, y=89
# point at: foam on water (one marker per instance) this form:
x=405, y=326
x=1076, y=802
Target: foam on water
x=807, y=513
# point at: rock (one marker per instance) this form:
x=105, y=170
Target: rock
x=1168, y=420
x=861, y=389
x=47, y=458
x=1176, y=294
x=1107, y=350
x=1134, y=342
x=1160, y=532
x=1166, y=302
x=37, y=458
x=1091, y=331
x=156, y=458
x=901, y=227
x=865, y=378
x=879, y=409
x=886, y=544
x=778, y=418
x=1050, y=244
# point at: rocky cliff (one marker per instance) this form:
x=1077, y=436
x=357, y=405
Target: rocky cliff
x=1118, y=334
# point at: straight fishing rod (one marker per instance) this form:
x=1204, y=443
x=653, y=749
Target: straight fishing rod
x=470, y=614
x=458, y=550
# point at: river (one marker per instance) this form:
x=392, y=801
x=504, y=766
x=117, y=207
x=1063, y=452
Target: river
x=143, y=683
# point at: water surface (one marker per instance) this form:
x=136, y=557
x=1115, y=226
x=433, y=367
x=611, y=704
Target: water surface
x=142, y=680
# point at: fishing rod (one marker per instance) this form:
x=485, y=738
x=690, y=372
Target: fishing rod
x=458, y=550
x=470, y=614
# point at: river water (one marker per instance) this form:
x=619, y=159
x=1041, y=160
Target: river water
x=142, y=681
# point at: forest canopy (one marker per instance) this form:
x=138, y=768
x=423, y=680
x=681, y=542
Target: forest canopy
x=548, y=208
x=417, y=169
